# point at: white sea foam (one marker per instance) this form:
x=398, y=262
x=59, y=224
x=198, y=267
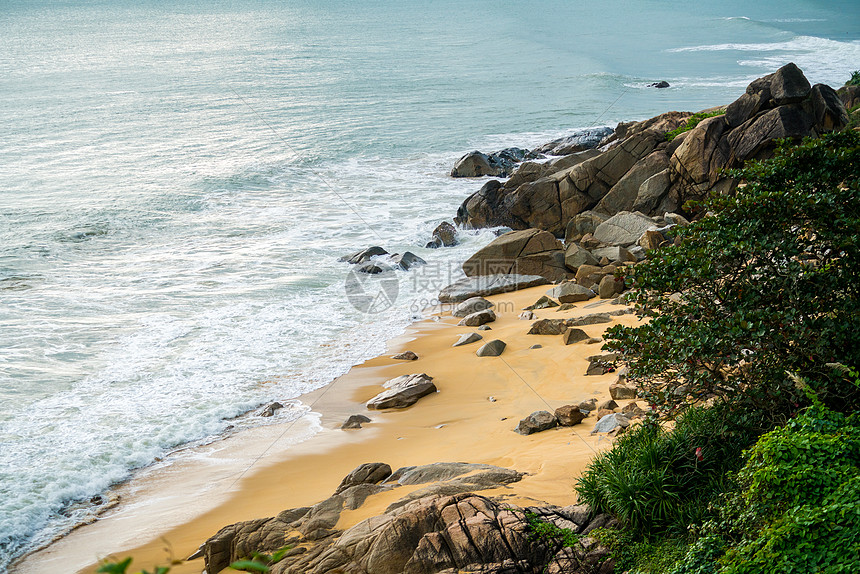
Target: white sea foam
x=822, y=59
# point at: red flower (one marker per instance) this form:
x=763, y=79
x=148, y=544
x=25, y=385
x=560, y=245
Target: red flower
x=699, y=456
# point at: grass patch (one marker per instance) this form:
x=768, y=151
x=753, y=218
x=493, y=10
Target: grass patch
x=692, y=122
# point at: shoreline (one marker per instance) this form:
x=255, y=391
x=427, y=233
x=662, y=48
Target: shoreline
x=459, y=423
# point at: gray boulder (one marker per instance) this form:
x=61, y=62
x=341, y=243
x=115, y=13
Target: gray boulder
x=364, y=255
x=478, y=318
x=610, y=422
x=407, y=261
x=623, y=228
x=581, y=140
x=402, y=392
x=367, y=473
x=529, y=252
x=538, y=421
x=471, y=305
x=498, y=164
x=570, y=292
x=575, y=256
x=492, y=349
x=467, y=338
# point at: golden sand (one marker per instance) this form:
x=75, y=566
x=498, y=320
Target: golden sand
x=169, y=512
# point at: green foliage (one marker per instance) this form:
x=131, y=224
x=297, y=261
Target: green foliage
x=550, y=533
x=654, y=480
x=633, y=555
x=111, y=567
x=854, y=80
x=260, y=562
x=692, y=122
x=798, y=505
x=767, y=284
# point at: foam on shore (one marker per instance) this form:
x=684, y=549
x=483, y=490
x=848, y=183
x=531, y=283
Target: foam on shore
x=262, y=471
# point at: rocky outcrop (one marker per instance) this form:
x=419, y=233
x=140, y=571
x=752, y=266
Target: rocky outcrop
x=439, y=528
x=638, y=170
x=526, y=252
x=580, y=141
x=441, y=534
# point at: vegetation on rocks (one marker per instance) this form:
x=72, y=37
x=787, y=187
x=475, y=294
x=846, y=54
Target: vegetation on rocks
x=693, y=122
x=767, y=284
x=752, y=347
x=854, y=80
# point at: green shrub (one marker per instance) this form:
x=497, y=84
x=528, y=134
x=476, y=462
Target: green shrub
x=798, y=506
x=854, y=80
x=637, y=556
x=767, y=284
x=692, y=122
x=656, y=481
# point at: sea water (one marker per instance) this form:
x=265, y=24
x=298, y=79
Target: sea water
x=179, y=178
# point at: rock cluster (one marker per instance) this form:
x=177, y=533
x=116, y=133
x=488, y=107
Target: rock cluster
x=445, y=529
x=637, y=169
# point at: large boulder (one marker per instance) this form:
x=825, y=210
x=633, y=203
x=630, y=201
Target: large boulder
x=582, y=224
x=570, y=292
x=486, y=285
x=623, y=194
x=527, y=252
x=402, y=392
x=575, y=256
x=498, y=164
x=623, y=228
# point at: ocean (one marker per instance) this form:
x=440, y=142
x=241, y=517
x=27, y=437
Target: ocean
x=178, y=180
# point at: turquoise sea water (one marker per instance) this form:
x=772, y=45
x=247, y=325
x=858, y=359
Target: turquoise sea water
x=178, y=179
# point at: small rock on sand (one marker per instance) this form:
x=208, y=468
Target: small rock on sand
x=354, y=422
x=406, y=356
x=492, y=349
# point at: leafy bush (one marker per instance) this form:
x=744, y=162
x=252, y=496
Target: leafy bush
x=854, y=80
x=631, y=554
x=692, y=122
x=798, y=506
x=655, y=480
x=767, y=284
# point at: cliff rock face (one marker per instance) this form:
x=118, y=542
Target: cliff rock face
x=439, y=534
x=638, y=170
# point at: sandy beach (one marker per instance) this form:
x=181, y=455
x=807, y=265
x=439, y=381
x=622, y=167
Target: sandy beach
x=166, y=513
